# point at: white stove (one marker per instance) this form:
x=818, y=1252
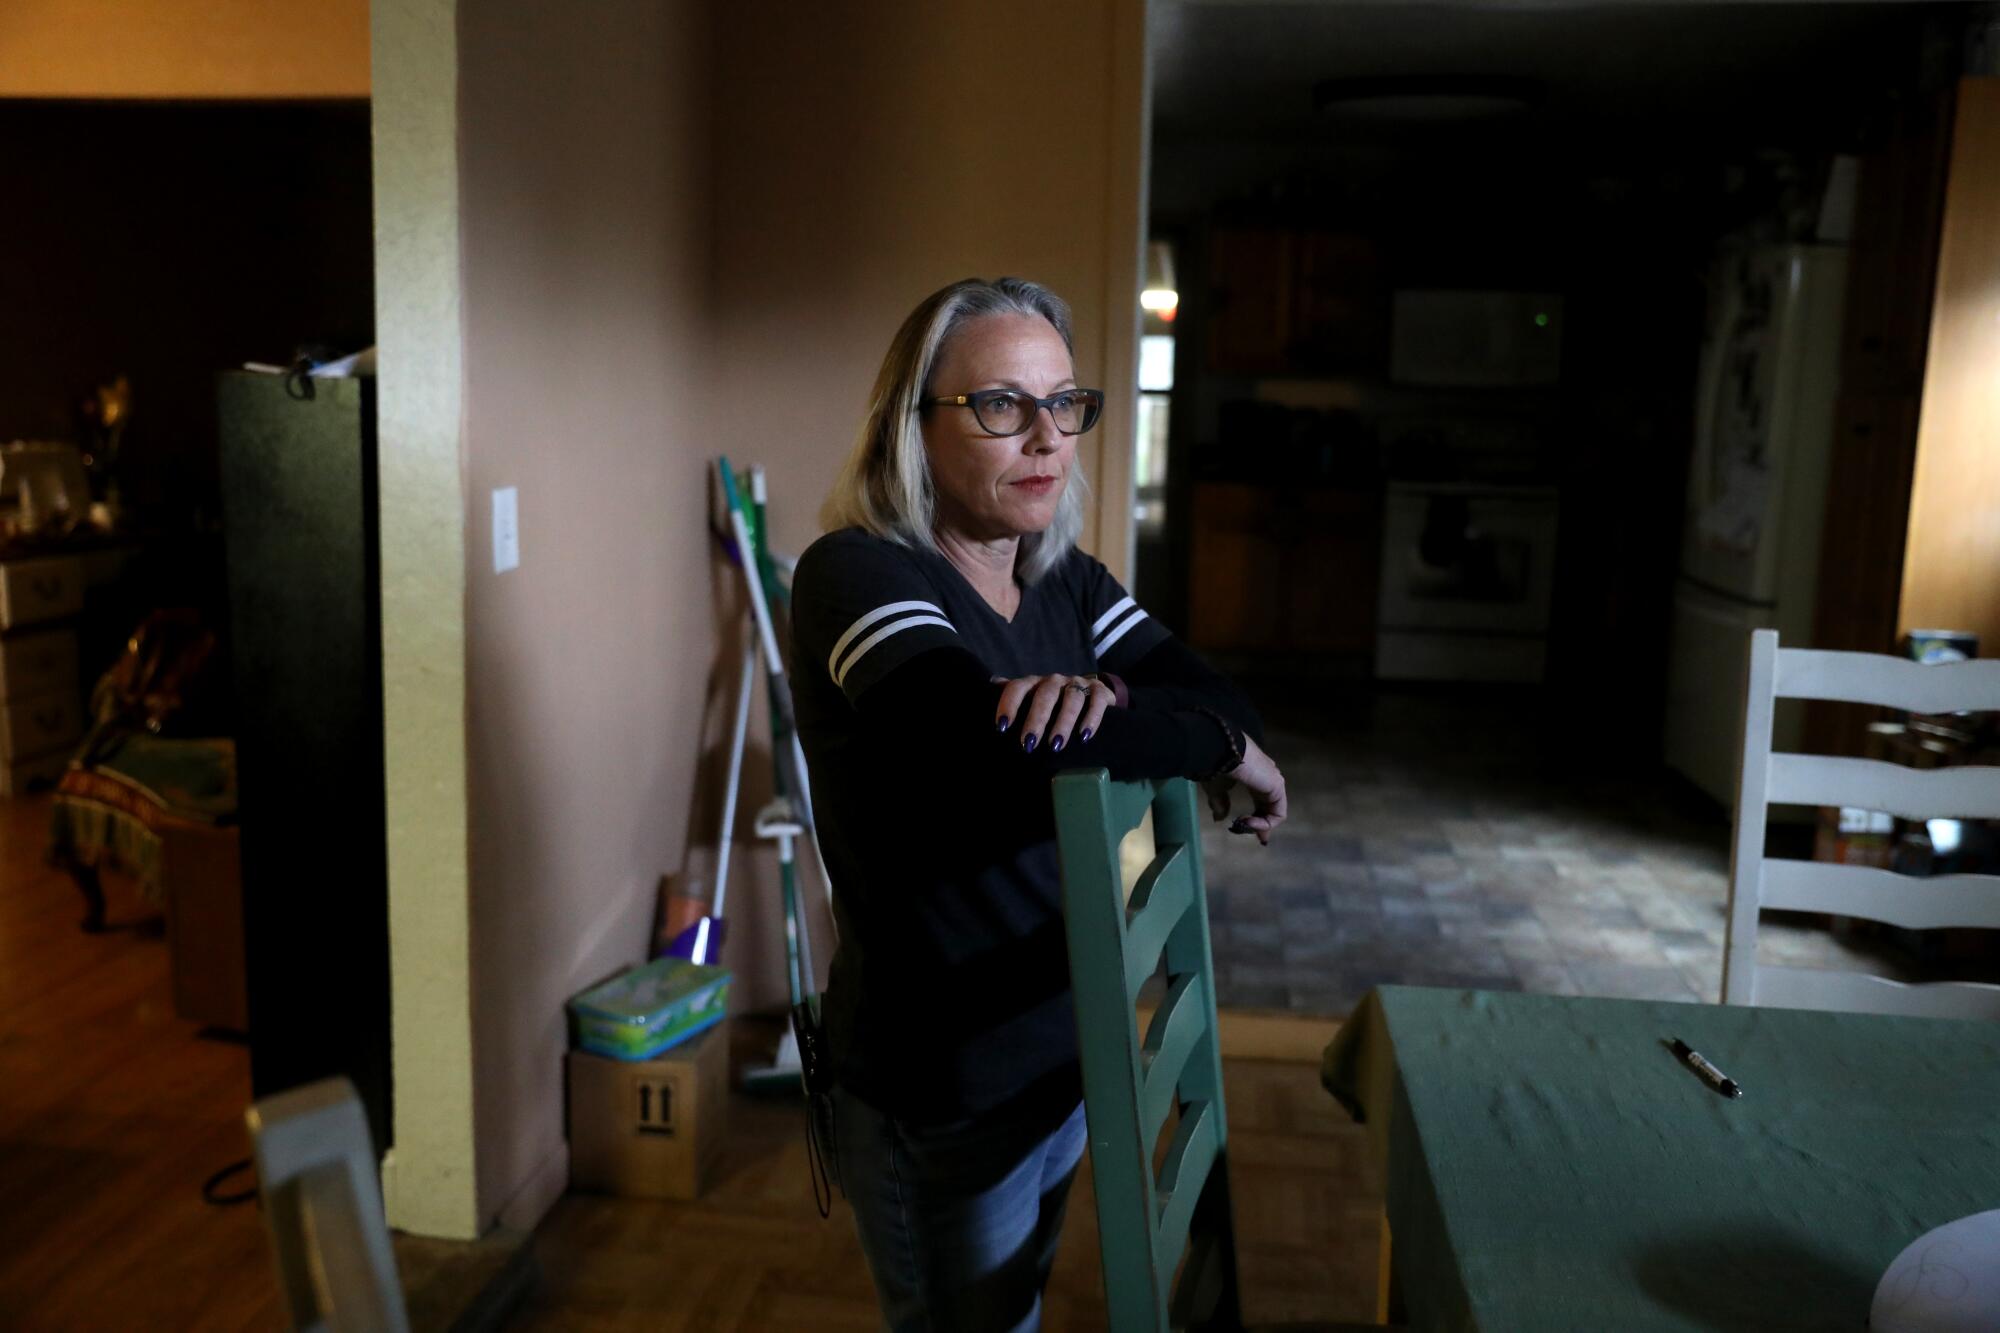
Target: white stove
x=1468, y=570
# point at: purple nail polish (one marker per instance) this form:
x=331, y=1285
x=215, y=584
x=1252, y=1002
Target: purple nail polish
x=1055, y=746
x=1086, y=736
x=1029, y=744
x=1004, y=721
x=1239, y=826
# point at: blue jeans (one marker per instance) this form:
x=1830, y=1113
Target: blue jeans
x=959, y=1221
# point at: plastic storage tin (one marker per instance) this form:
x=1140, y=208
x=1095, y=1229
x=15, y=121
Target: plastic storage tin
x=638, y=1014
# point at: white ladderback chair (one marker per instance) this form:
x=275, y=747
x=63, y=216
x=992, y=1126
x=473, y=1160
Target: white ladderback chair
x=323, y=1207
x=1757, y=882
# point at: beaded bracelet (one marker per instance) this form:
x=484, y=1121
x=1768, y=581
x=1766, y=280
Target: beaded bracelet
x=1232, y=736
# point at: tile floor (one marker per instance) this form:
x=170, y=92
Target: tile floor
x=1440, y=840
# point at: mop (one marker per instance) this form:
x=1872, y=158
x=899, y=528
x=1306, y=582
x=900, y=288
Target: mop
x=765, y=592
x=777, y=822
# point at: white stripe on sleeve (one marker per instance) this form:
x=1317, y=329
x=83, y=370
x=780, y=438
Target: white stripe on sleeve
x=893, y=627
x=854, y=630
x=1103, y=645
x=1109, y=616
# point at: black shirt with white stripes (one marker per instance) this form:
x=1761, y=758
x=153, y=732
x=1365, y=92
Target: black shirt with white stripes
x=949, y=991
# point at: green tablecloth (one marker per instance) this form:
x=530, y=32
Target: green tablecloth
x=1550, y=1166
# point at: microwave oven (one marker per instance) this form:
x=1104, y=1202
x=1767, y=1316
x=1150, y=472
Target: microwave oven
x=1475, y=340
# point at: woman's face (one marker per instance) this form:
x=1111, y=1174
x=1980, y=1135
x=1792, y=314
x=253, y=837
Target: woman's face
x=994, y=487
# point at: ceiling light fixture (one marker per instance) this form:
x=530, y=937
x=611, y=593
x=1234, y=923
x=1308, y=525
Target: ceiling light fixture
x=1427, y=98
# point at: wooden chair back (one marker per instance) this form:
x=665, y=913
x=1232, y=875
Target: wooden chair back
x=1757, y=882
x=323, y=1208
x=1148, y=1220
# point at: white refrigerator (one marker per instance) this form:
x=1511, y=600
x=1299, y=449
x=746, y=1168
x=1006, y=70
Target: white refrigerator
x=1756, y=494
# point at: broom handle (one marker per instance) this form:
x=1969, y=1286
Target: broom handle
x=781, y=690
x=753, y=577
x=738, y=736
x=756, y=565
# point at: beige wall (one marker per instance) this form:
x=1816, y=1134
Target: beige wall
x=858, y=167
x=183, y=48
x=862, y=163
x=1951, y=563
x=684, y=231
x=585, y=204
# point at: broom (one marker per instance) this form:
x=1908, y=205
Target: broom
x=692, y=925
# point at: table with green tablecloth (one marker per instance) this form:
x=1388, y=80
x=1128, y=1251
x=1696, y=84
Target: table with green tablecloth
x=1550, y=1165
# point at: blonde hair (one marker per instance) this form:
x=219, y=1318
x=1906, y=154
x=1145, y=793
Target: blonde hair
x=885, y=487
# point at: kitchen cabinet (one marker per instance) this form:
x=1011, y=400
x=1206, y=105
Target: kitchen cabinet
x=1249, y=320
x=1283, y=300
x=1284, y=569
x=1340, y=304
x=41, y=694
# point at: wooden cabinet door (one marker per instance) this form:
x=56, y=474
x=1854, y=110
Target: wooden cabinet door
x=1237, y=600
x=1278, y=570
x=1340, y=313
x=1333, y=572
x=1251, y=273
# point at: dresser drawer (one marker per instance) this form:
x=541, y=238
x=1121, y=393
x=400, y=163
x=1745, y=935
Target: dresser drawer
x=37, y=663
x=42, y=725
x=32, y=591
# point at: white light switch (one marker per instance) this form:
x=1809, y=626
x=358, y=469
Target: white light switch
x=506, y=530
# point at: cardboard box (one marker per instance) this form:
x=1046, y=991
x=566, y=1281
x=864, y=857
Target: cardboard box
x=649, y=1128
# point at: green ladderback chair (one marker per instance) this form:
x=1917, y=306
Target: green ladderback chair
x=1147, y=1221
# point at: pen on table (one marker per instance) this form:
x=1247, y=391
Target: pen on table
x=1710, y=1075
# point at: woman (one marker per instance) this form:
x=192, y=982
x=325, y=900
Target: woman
x=954, y=652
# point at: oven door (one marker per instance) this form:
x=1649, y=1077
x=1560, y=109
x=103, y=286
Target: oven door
x=1468, y=559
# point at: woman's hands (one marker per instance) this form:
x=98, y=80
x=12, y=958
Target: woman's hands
x=1260, y=777
x=1050, y=708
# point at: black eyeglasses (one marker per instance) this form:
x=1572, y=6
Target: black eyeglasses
x=1012, y=412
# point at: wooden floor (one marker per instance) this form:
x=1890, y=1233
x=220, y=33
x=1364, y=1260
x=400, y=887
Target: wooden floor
x=112, y=1114
x=754, y=1255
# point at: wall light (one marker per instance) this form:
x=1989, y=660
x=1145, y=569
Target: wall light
x=1160, y=296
